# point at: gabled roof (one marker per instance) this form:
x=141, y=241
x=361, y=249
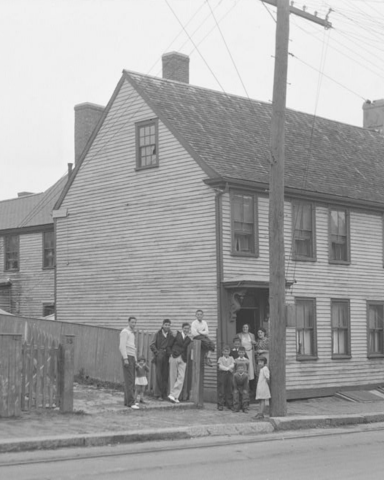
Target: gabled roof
x=230, y=135
x=30, y=210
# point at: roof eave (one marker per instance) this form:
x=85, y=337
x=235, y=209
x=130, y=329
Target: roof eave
x=257, y=187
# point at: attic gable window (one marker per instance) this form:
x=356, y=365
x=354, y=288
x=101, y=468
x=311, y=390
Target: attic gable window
x=339, y=250
x=244, y=224
x=147, y=144
x=11, y=248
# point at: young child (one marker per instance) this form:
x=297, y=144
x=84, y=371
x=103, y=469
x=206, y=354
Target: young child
x=242, y=359
x=241, y=389
x=236, y=345
x=262, y=390
x=225, y=380
x=141, y=379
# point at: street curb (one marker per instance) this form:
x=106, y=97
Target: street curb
x=316, y=421
x=269, y=425
x=100, y=439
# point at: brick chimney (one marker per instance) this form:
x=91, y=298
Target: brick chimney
x=374, y=115
x=176, y=66
x=24, y=194
x=87, y=116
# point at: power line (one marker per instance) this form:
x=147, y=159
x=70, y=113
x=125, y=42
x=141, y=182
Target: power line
x=198, y=51
x=226, y=46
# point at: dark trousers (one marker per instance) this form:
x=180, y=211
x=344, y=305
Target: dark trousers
x=206, y=343
x=240, y=392
x=224, y=389
x=129, y=381
x=162, y=375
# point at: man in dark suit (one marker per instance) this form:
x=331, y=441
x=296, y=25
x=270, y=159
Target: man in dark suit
x=178, y=362
x=161, y=349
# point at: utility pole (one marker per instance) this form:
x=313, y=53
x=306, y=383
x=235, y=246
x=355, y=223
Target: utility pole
x=278, y=406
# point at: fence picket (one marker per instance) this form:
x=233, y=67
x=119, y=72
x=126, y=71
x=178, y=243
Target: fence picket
x=31, y=362
x=23, y=375
x=43, y=372
x=38, y=376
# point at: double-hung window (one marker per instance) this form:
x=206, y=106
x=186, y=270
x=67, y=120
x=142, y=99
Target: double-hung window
x=244, y=224
x=48, y=250
x=306, y=347
x=375, y=312
x=147, y=144
x=340, y=320
x=303, y=222
x=11, y=250
x=339, y=236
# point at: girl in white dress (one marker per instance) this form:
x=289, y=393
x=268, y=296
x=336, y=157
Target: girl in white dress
x=262, y=391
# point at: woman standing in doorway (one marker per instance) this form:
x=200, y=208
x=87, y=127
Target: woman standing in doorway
x=262, y=346
x=248, y=342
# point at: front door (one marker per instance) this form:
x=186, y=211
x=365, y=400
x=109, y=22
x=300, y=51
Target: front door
x=245, y=306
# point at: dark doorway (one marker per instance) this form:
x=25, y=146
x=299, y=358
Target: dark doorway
x=254, y=310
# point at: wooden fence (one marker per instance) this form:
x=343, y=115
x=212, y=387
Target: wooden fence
x=96, y=352
x=35, y=374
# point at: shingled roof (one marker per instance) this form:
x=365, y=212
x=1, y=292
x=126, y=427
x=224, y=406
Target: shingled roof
x=30, y=210
x=230, y=135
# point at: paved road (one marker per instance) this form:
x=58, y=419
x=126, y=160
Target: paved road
x=353, y=455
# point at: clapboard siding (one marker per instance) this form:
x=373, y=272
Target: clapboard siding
x=137, y=243
x=32, y=286
x=359, y=282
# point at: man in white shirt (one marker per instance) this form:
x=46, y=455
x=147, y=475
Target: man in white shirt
x=127, y=349
x=200, y=331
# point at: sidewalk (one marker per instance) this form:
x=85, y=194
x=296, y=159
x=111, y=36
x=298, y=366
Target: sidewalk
x=100, y=419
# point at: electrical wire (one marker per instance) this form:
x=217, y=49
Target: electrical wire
x=229, y=52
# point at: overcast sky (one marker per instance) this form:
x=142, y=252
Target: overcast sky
x=58, y=53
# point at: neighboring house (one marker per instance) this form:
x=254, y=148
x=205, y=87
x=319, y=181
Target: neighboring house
x=167, y=212
x=27, y=252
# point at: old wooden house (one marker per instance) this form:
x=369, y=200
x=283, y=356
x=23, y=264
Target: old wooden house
x=27, y=252
x=167, y=212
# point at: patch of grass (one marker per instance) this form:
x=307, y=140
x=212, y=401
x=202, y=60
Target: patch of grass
x=83, y=379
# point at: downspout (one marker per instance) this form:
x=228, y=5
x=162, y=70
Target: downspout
x=219, y=259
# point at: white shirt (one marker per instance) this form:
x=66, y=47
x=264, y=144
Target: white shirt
x=199, y=328
x=127, y=343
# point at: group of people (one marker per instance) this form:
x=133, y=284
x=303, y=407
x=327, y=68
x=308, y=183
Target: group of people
x=169, y=356
x=243, y=371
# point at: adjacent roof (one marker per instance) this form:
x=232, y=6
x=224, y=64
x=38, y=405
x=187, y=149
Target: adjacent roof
x=230, y=136
x=30, y=210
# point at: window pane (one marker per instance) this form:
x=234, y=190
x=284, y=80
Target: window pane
x=11, y=244
x=243, y=223
x=147, y=145
x=305, y=325
x=375, y=326
x=340, y=327
x=248, y=210
x=303, y=235
x=338, y=234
